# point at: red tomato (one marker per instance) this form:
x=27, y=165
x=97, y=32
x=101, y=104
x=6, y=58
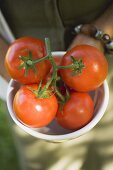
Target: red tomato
x=33, y=111
x=94, y=72
x=21, y=47
x=76, y=112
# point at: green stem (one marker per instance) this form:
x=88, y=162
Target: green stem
x=49, y=54
x=65, y=67
x=31, y=62
x=59, y=95
x=54, y=75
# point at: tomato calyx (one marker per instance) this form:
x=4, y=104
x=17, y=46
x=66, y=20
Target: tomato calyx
x=28, y=62
x=77, y=66
x=40, y=92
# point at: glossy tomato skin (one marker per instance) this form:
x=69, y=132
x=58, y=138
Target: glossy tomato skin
x=21, y=47
x=32, y=111
x=94, y=72
x=77, y=111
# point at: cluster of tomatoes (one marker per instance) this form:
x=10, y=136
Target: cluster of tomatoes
x=36, y=110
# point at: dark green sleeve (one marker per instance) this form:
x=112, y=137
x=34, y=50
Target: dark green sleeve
x=74, y=12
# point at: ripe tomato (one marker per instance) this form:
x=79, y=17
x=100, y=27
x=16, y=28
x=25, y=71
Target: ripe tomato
x=76, y=112
x=33, y=111
x=94, y=72
x=21, y=47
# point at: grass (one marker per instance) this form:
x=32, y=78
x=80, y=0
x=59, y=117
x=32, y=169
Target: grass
x=8, y=155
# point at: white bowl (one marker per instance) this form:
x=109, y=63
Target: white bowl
x=53, y=132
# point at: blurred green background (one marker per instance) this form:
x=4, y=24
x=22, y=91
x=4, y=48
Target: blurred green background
x=8, y=154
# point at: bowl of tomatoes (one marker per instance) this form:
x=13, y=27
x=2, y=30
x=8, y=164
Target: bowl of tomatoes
x=53, y=132
x=72, y=105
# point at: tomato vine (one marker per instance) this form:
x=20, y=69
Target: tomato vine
x=29, y=63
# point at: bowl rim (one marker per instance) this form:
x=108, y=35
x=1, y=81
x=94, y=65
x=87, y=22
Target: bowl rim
x=70, y=135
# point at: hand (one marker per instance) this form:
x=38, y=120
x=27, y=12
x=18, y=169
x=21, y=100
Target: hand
x=84, y=39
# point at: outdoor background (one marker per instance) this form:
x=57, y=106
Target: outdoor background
x=8, y=155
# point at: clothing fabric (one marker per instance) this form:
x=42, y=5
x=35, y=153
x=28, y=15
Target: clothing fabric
x=94, y=150
x=49, y=18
